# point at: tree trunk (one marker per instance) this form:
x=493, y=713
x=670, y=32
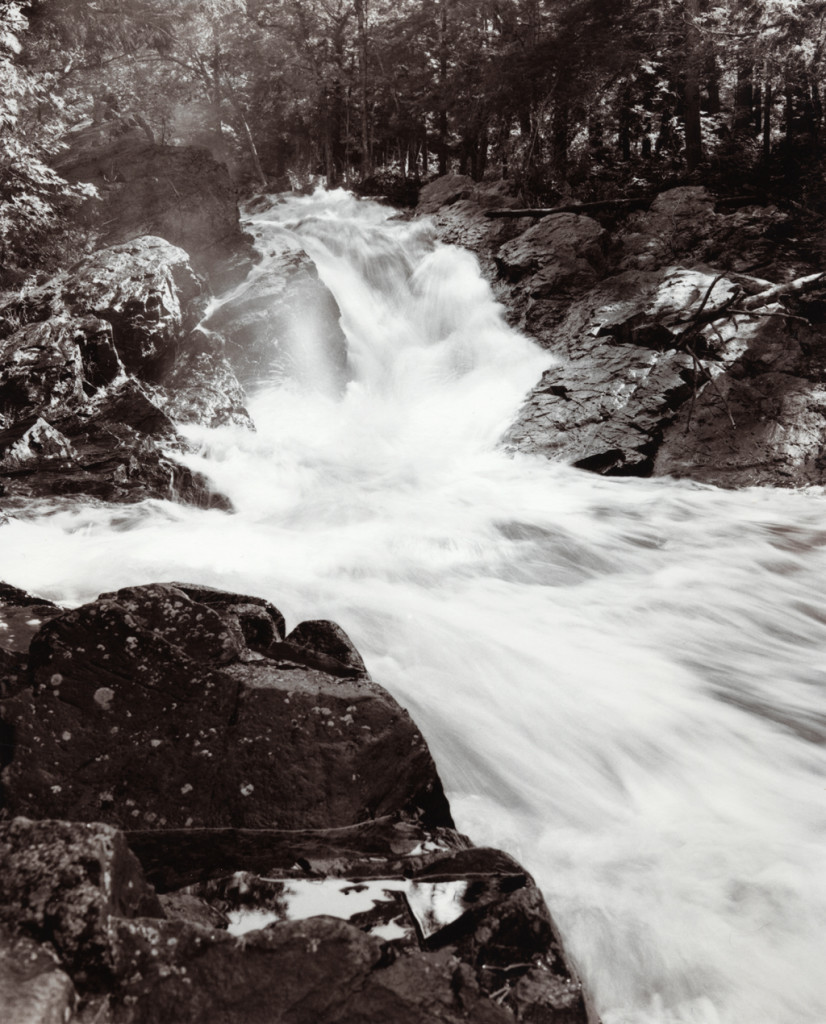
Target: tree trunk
x=743, y=98
x=691, y=88
x=768, y=98
x=443, y=86
x=560, y=137
x=712, y=72
x=366, y=155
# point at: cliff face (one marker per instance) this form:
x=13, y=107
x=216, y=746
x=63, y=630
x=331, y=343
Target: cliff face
x=180, y=193
x=681, y=347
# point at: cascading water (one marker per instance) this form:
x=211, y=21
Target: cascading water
x=621, y=681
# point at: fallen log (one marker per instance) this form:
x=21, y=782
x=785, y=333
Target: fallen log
x=780, y=291
x=640, y=203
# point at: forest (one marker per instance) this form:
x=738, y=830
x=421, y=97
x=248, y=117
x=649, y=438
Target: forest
x=587, y=99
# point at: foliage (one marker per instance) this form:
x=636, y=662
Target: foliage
x=589, y=96
x=33, y=198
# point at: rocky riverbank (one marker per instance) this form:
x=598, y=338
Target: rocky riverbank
x=205, y=817
x=208, y=818
x=680, y=349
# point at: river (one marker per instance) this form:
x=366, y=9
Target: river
x=621, y=681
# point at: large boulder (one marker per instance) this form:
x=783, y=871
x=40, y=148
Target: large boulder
x=623, y=372
x=364, y=904
x=99, y=365
x=151, y=708
x=147, y=290
x=561, y=253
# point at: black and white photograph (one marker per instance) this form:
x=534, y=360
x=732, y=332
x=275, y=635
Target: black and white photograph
x=412, y=512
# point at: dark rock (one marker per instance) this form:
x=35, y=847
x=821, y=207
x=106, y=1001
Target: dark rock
x=33, y=988
x=679, y=224
x=445, y=191
x=61, y=882
x=41, y=371
x=148, y=292
x=171, y=723
x=383, y=847
x=560, y=253
x=469, y=921
x=322, y=637
x=136, y=693
x=261, y=624
x=180, y=193
x=75, y=423
x=21, y=616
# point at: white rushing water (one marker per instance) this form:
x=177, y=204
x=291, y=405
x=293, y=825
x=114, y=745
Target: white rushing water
x=621, y=681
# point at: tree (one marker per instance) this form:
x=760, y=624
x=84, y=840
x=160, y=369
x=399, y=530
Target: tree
x=34, y=200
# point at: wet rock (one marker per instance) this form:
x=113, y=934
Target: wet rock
x=384, y=847
x=170, y=723
x=33, y=988
x=148, y=292
x=203, y=388
x=29, y=446
x=561, y=253
x=62, y=883
x=171, y=700
x=75, y=422
x=41, y=371
x=327, y=638
x=21, y=616
x=462, y=931
x=621, y=376
x=265, y=320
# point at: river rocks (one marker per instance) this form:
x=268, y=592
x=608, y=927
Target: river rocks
x=456, y=205
x=316, y=877
x=560, y=253
x=33, y=988
x=63, y=881
x=147, y=708
x=622, y=374
x=150, y=295
x=180, y=193
x=658, y=371
x=98, y=365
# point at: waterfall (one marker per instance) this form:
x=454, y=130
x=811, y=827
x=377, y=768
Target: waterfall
x=621, y=681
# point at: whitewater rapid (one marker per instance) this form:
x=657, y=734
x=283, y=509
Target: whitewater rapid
x=621, y=681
